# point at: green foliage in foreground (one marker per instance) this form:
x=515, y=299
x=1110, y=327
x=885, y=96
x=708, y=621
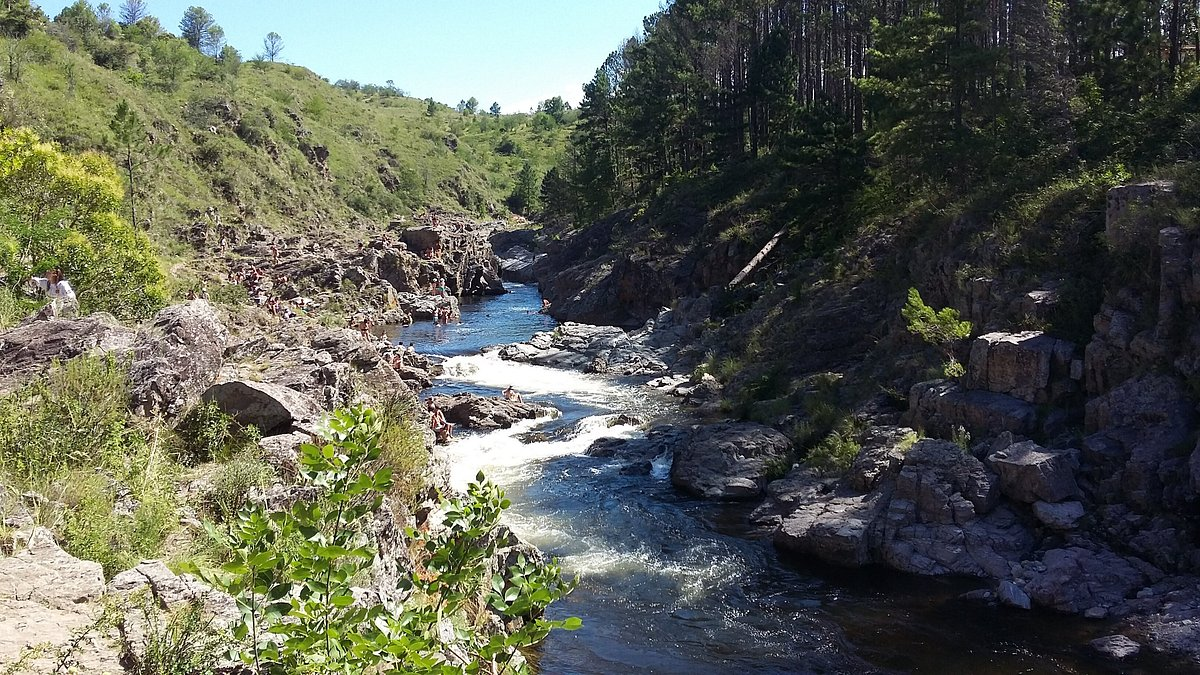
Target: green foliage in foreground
x=292, y=573
x=67, y=435
x=941, y=328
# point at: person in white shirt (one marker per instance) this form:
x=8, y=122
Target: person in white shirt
x=58, y=289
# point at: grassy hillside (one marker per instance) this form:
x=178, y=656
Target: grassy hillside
x=248, y=139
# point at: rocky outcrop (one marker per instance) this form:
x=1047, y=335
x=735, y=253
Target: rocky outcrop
x=1030, y=366
x=47, y=597
x=176, y=358
x=938, y=512
x=1030, y=473
x=479, y=412
x=30, y=348
x=941, y=407
x=44, y=573
x=271, y=408
x=594, y=349
x=729, y=461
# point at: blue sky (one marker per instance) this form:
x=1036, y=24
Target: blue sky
x=515, y=52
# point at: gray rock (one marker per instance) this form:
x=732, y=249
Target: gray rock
x=729, y=460
x=270, y=407
x=940, y=407
x=170, y=591
x=29, y=349
x=44, y=573
x=1029, y=473
x=836, y=531
x=176, y=358
x=479, y=412
x=1063, y=516
x=880, y=457
x=1116, y=647
x=1075, y=579
x=1030, y=366
x=1011, y=594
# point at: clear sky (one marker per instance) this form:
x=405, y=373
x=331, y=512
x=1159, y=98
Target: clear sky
x=515, y=52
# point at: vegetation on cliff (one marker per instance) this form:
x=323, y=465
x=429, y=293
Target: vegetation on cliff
x=925, y=144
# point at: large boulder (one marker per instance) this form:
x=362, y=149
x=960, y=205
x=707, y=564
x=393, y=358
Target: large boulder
x=944, y=518
x=29, y=349
x=272, y=408
x=176, y=358
x=171, y=591
x=1076, y=580
x=1029, y=473
x=837, y=531
x=479, y=412
x=729, y=460
x=941, y=407
x=1030, y=366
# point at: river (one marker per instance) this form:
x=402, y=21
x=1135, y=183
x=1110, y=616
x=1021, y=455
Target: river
x=672, y=584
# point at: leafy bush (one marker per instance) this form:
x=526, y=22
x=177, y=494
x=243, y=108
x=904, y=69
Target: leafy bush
x=299, y=612
x=836, y=452
x=60, y=210
x=232, y=483
x=183, y=642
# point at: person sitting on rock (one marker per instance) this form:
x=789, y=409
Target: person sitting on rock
x=545, y=306
x=443, y=431
x=58, y=289
x=511, y=394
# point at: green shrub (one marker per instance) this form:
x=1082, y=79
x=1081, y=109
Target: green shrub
x=299, y=614
x=232, y=482
x=403, y=450
x=92, y=530
x=181, y=642
x=941, y=328
x=206, y=433
x=73, y=416
x=836, y=452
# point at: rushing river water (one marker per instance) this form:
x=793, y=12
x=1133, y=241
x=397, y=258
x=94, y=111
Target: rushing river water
x=671, y=584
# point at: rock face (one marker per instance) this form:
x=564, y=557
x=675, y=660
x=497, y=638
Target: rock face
x=30, y=348
x=170, y=591
x=478, y=412
x=270, y=407
x=939, y=512
x=729, y=461
x=176, y=358
x=48, y=575
x=46, y=595
x=1030, y=366
x=1029, y=472
x=941, y=407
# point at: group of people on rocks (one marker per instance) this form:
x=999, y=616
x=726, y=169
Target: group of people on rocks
x=260, y=286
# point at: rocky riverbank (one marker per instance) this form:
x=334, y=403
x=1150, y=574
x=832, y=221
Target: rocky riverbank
x=278, y=371
x=1066, y=477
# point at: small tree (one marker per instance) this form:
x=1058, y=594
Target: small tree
x=272, y=46
x=430, y=107
x=132, y=11
x=196, y=27
x=527, y=192
x=134, y=149
x=941, y=328
x=494, y=110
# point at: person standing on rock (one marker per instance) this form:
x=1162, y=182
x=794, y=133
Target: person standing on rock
x=58, y=289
